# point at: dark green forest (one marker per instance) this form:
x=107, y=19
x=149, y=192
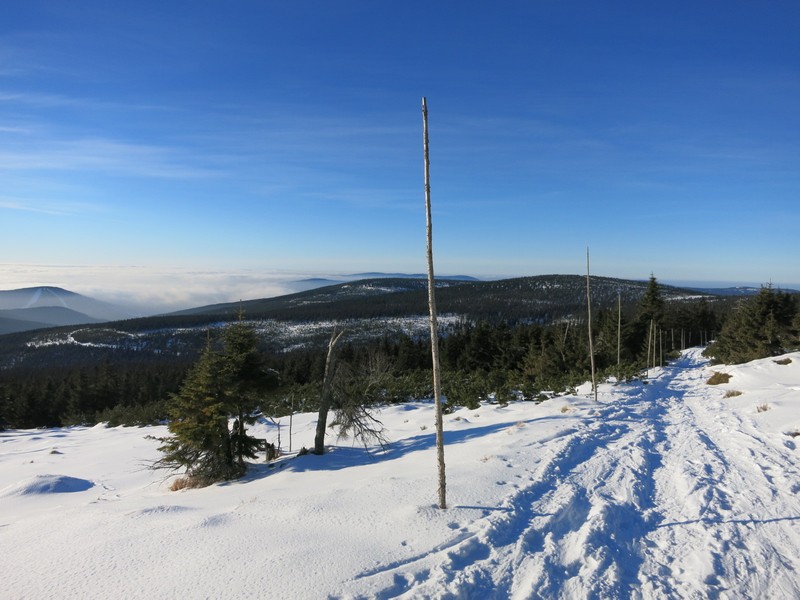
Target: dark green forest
x=491, y=357
x=767, y=324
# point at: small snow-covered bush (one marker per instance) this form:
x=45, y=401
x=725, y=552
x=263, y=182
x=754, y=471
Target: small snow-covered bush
x=732, y=393
x=763, y=408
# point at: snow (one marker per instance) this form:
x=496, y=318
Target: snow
x=47, y=484
x=664, y=490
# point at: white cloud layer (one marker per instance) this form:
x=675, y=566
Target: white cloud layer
x=147, y=290
x=150, y=290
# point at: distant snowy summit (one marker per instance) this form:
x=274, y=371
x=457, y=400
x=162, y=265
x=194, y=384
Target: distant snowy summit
x=25, y=309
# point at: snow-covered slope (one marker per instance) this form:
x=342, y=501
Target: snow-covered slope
x=664, y=490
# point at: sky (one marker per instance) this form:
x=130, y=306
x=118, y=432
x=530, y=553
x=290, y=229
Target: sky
x=177, y=153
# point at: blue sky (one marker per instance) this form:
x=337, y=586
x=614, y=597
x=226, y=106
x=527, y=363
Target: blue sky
x=254, y=140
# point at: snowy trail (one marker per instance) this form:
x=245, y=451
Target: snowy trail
x=643, y=502
x=674, y=489
x=726, y=509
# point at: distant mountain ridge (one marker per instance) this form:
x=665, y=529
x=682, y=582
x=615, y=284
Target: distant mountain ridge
x=312, y=283
x=378, y=275
x=41, y=307
x=540, y=298
x=367, y=308
x=744, y=290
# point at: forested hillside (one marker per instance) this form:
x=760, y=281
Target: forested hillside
x=503, y=339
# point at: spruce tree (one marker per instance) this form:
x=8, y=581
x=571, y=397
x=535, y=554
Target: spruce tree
x=219, y=385
x=200, y=440
x=650, y=319
x=760, y=326
x=651, y=306
x=244, y=380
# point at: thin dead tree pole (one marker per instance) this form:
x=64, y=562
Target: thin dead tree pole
x=649, y=348
x=619, y=332
x=291, y=417
x=437, y=385
x=655, y=343
x=591, y=343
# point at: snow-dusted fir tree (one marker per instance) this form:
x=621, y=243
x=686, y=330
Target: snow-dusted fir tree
x=244, y=380
x=763, y=325
x=651, y=317
x=219, y=386
x=200, y=441
x=651, y=306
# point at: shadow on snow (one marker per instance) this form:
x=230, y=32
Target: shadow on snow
x=342, y=457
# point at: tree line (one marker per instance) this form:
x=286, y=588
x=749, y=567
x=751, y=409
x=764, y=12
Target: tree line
x=480, y=360
x=767, y=324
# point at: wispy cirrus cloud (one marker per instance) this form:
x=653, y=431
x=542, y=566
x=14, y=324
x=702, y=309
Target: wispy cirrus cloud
x=39, y=100
x=105, y=155
x=45, y=207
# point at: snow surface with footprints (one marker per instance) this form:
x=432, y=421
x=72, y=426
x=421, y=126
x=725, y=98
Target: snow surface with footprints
x=670, y=489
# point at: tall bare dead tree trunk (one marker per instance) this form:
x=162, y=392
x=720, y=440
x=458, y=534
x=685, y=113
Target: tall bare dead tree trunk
x=591, y=343
x=437, y=385
x=291, y=417
x=619, y=333
x=325, y=398
x=655, y=344
x=650, y=347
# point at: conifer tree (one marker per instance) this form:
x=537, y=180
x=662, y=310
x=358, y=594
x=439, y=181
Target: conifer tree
x=796, y=326
x=218, y=386
x=650, y=319
x=244, y=380
x=651, y=307
x=760, y=326
x=200, y=440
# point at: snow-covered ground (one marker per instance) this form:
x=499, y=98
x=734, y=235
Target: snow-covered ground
x=665, y=490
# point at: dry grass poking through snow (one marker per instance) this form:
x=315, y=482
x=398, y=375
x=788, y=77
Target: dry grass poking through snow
x=187, y=483
x=718, y=378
